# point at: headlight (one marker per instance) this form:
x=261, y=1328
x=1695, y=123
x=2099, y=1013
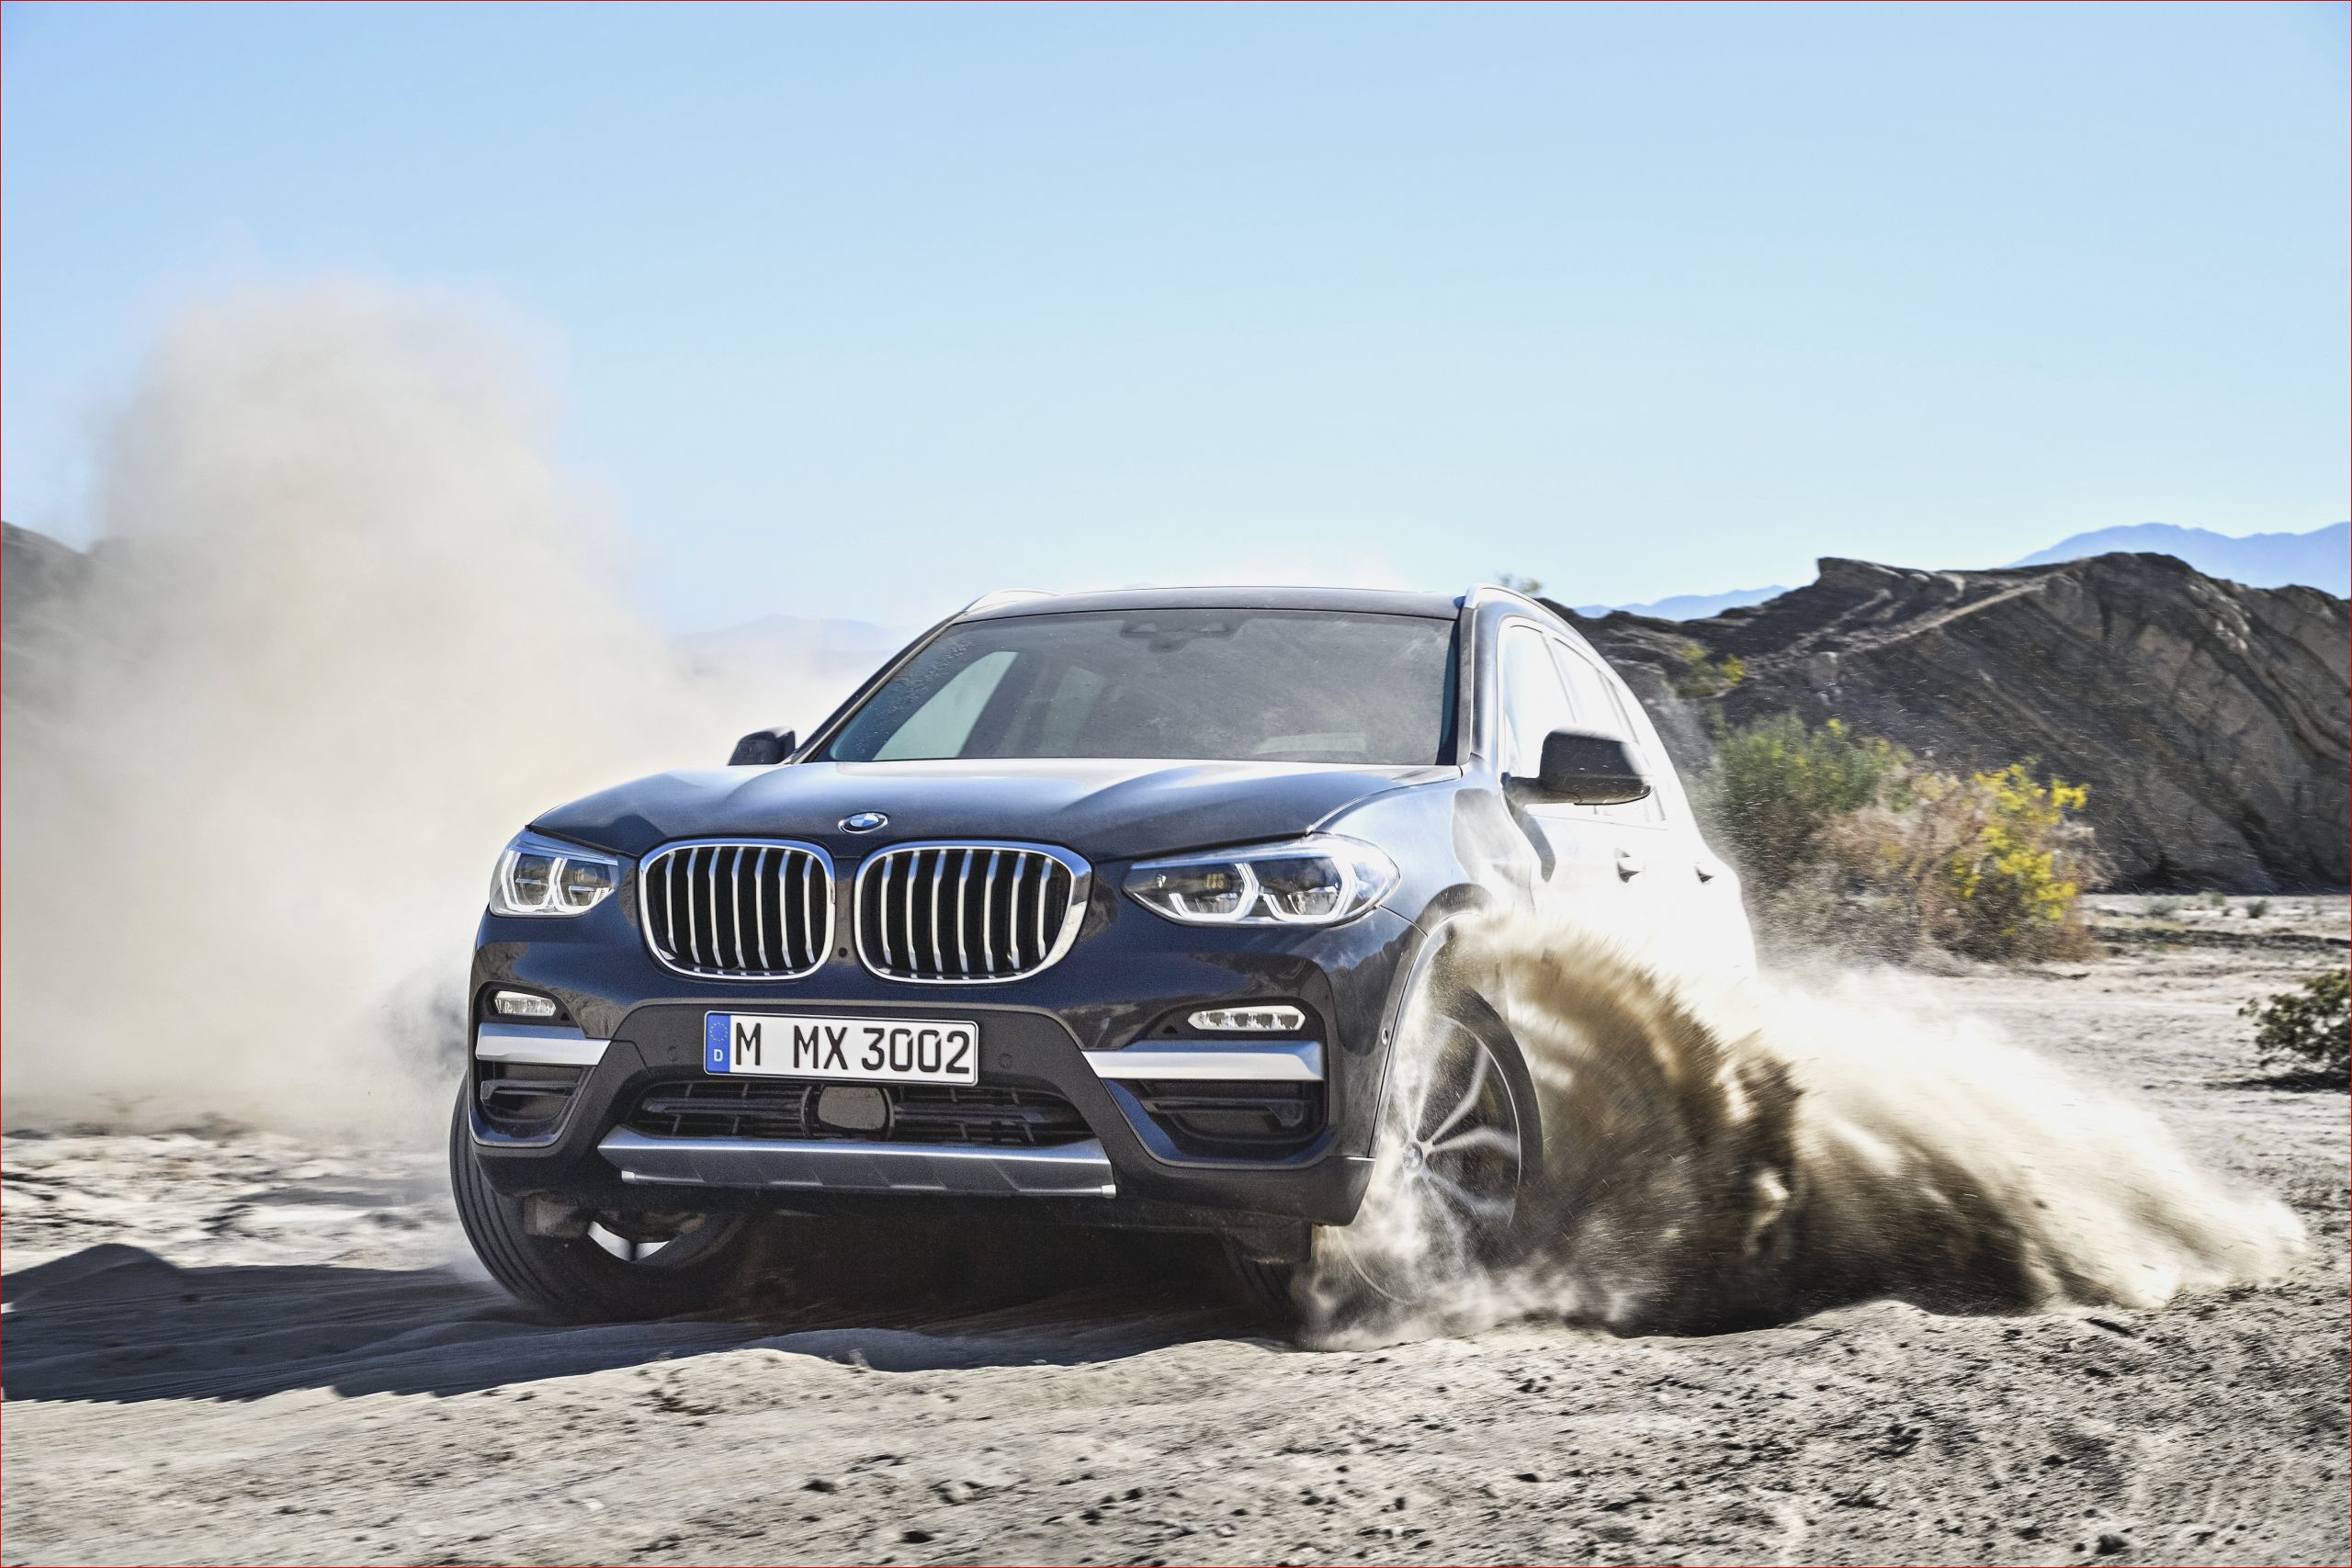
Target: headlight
x=1317, y=881
x=542, y=876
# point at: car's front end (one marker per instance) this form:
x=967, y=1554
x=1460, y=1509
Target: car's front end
x=780, y=1020
x=1109, y=990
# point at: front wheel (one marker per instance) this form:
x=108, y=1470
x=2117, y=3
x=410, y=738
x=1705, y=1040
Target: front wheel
x=1459, y=1154
x=619, y=1267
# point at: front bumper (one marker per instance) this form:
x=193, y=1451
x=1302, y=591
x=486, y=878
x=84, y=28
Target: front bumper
x=1091, y=1030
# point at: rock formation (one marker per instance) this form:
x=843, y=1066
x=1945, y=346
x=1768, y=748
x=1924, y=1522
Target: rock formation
x=2211, y=721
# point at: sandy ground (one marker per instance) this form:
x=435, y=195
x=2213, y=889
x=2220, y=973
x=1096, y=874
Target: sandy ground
x=229, y=1346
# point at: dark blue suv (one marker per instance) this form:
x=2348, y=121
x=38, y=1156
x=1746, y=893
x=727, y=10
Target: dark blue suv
x=1105, y=906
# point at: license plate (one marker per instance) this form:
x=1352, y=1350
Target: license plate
x=857, y=1050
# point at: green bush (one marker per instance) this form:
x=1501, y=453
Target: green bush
x=1854, y=843
x=1697, y=680
x=2307, y=1029
x=1777, y=785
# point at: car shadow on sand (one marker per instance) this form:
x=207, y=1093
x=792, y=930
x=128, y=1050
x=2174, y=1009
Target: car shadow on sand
x=118, y=1324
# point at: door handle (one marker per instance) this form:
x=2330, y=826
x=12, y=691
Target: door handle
x=1629, y=865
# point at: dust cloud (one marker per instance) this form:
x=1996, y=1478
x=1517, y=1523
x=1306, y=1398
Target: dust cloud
x=350, y=626
x=1721, y=1160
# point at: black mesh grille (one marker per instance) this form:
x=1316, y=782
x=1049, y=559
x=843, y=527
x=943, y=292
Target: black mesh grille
x=742, y=911
x=727, y=1107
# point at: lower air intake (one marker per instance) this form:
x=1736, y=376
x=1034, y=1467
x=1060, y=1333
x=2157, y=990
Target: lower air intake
x=910, y=1113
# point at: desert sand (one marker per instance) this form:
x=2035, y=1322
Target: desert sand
x=224, y=1345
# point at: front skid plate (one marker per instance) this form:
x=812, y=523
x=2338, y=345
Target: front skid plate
x=1064, y=1170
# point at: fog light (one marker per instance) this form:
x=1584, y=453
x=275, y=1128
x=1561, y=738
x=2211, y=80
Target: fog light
x=1249, y=1020
x=521, y=1004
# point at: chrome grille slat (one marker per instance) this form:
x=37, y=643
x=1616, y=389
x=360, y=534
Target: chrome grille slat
x=691, y=905
x=760, y=904
x=963, y=892
x=713, y=889
x=1044, y=884
x=988, y=902
x=907, y=903
x=808, y=881
x=735, y=898
x=1012, y=911
x=938, y=880
x=1018, y=916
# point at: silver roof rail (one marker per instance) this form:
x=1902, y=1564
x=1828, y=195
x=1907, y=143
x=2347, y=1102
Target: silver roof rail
x=1487, y=591
x=1002, y=596
x=1483, y=592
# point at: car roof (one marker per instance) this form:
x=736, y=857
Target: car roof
x=1362, y=601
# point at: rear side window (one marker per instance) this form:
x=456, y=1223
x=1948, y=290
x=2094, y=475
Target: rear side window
x=1602, y=706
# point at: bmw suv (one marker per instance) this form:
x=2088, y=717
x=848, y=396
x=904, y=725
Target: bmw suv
x=1103, y=909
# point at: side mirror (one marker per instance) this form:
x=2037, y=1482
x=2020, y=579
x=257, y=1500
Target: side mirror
x=1586, y=769
x=763, y=748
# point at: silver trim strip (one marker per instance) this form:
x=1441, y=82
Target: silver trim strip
x=846, y=1165
x=1293, y=1062
x=545, y=1046
x=815, y=859
x=1081, y=883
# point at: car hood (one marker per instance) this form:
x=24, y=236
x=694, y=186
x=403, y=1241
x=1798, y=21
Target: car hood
x=1103, y=809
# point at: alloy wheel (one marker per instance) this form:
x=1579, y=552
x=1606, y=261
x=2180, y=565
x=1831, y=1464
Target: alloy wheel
x=1447, y=1185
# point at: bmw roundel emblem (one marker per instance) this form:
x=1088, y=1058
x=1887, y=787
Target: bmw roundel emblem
x=864, y=822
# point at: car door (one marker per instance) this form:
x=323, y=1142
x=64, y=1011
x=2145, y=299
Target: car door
x=1575, y=850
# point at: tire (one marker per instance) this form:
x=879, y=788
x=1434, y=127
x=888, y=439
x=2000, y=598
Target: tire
x=1456, y=1186
x=581, y=1279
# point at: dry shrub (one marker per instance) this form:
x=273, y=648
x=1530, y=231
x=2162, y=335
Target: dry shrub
x=2308, y=1029
x=1992, y=865
x=1853, y=845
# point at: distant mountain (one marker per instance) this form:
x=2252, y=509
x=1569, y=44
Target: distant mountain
x=1690, y=606
x=2321, y=559
x=816, y=645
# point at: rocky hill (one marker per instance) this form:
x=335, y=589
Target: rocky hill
x=39, y=579
x=2213, y=721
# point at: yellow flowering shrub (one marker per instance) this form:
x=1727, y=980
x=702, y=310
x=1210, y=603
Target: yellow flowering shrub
x=1855, y=843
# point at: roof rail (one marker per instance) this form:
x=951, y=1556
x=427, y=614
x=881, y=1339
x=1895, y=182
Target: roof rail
x=1483, y=592
x=1002, y=596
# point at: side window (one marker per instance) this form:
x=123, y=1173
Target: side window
x=1589, y=693
x=1601, y=707
x=1533, y=703
x=942, y=726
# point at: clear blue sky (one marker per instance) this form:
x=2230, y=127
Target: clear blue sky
x=867, y=310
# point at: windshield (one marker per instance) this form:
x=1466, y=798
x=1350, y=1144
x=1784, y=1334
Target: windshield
x=1260, y=685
